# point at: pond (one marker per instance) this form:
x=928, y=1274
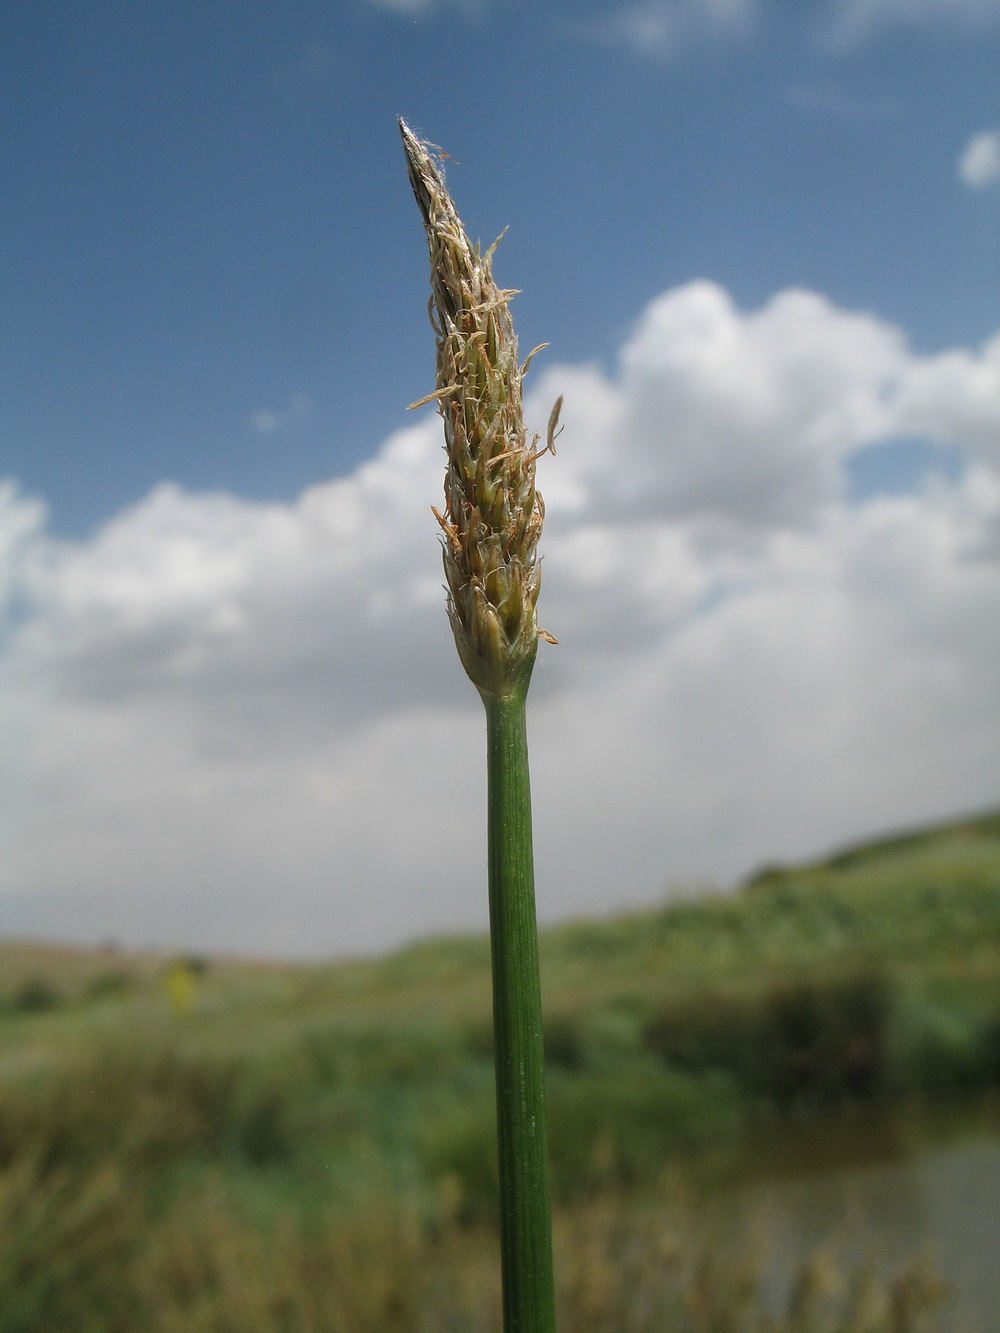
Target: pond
x=880, y=1187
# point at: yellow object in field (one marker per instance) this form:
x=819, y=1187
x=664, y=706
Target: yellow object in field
x=180, y=986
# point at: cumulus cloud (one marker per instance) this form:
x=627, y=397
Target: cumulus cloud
x=240, y=724
x=853, y=20
x=273, y=421
x=829, y=97
x=404, y=6
x=417, y=8
x=979, y=162
x=662, y=27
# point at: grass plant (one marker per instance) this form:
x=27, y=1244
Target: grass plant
x=491, y=524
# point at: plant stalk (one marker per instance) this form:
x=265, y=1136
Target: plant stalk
x=522, y=1139
x=490, y=526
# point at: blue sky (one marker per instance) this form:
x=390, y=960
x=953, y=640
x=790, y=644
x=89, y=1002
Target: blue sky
x=206, y=223
x=761, y=239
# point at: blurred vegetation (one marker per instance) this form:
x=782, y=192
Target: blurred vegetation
x=220, y=1145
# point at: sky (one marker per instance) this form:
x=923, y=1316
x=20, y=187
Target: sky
x=761, y=239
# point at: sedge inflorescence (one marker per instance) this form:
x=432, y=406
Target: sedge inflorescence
x=493, y=513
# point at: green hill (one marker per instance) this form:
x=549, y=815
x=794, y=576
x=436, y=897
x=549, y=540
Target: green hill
x=977, y=834
x=138, y=1091
x=890, y=949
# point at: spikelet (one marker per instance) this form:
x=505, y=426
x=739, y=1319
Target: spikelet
x=493, y=514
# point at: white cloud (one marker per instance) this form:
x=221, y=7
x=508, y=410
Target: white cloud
x=828, y=97
x=417, y=8
x=853, y=20
x=275, y=421
x=979, y=162
x=404, y=6
x=242, y=724
x=662, y=27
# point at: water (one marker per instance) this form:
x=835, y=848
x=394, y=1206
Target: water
x=880, y=1188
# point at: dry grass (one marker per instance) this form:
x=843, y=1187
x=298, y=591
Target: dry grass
x=78, y=1256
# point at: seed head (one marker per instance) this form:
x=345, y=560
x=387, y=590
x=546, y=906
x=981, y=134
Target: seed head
x=493, y=514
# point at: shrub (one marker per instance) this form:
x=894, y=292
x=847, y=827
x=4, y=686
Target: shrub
x=35, y=995
x=820, y=1041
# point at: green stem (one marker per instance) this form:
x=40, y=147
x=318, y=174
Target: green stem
x=525, y=1208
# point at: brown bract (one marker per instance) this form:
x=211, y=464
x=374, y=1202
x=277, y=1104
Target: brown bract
x=493, y=514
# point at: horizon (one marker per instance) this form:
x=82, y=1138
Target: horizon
x=682, y=895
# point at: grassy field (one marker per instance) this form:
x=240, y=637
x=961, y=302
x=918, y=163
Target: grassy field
x=217, y=1145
